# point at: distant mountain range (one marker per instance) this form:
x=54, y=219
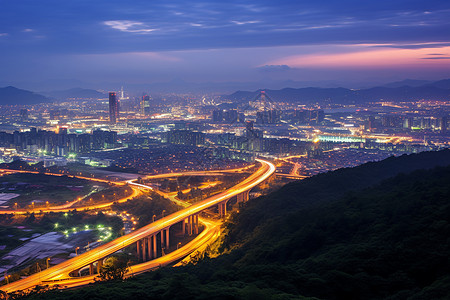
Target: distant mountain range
x=75, y=93
x=11, y=96
x=398, y=91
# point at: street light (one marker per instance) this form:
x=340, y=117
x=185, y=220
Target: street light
x=76, y=251
x=163, y=213
x=178, y=245
x=153, y=218
x=48, y=258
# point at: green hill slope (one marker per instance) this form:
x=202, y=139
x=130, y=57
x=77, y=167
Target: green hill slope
x=378, y=231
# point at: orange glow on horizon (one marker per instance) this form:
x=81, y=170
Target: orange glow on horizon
x=379, y=57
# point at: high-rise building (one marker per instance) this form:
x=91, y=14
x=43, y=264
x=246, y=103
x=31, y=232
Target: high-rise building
x=444, y=121
x=145, y=105
x=113, y=108
x=217, y=115
x=186, y=137
x=24, y=114
x=230, y=116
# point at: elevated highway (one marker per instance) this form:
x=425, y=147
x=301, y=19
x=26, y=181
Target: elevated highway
x=150, y=240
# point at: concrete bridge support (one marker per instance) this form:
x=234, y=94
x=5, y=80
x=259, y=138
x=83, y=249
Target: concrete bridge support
x=99, y=265
x=223, y=208
x=155, y=248
x=243, y=197
x=196, y=224
x=167, y=237
x=138, y=250
x=144, y=250
x=149, y=248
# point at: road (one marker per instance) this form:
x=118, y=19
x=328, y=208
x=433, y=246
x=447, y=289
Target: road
x=62, y=270
x=69, y=206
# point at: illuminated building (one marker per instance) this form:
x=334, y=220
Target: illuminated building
x=113, y=108
x=145, y=105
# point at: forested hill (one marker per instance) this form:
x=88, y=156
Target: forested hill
x=378, y=231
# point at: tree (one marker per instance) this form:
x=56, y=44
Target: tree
x=114, y=268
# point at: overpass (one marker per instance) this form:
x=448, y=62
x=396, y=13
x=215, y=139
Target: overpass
x=150, y=240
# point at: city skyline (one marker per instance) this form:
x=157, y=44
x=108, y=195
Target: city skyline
x=105, y=43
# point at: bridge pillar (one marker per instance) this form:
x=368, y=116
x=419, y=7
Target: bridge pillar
x=155, y=249
x=91, y=269
x=144, y=252
x=195, y=224
x=240, y=198
x=162, y=239
x=190, y=225
x=149, y=248
x=167, y=238
x=222, y=209
x=138, y=250
x=99, y=265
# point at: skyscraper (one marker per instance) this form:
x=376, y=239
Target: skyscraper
x=145, y=105
x=113, y=108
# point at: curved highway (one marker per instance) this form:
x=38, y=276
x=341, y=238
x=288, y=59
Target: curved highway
x=62, y=270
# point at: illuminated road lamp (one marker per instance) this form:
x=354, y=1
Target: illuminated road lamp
x=153, y=218
x=76, y=251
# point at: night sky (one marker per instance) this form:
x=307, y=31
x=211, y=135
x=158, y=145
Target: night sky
x=155, y=41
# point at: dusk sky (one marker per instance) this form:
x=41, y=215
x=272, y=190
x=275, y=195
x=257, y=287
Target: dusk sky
x=103, y=41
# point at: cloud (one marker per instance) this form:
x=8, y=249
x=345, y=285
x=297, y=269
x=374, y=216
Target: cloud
x=245, y=22
x=417, y=46
x=3, y=34
x=274, y=68
x=437, y=57
x=129, y=26
x=28, y=30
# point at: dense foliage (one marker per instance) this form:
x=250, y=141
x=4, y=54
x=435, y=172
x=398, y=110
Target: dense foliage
x=378, y=231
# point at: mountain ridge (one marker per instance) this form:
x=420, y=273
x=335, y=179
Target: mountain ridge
x=10, y=95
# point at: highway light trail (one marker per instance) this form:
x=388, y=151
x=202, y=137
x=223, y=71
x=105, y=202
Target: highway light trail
x=62, y=270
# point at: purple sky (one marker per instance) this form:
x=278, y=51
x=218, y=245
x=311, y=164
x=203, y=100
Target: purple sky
x=96, y=43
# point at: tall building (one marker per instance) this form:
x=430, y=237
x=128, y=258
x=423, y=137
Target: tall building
x=230, y=116
x=444, y=121
x=24, y=114
x=113, y=108
x=145, y=105
x=186, y=137
x=217, y=115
